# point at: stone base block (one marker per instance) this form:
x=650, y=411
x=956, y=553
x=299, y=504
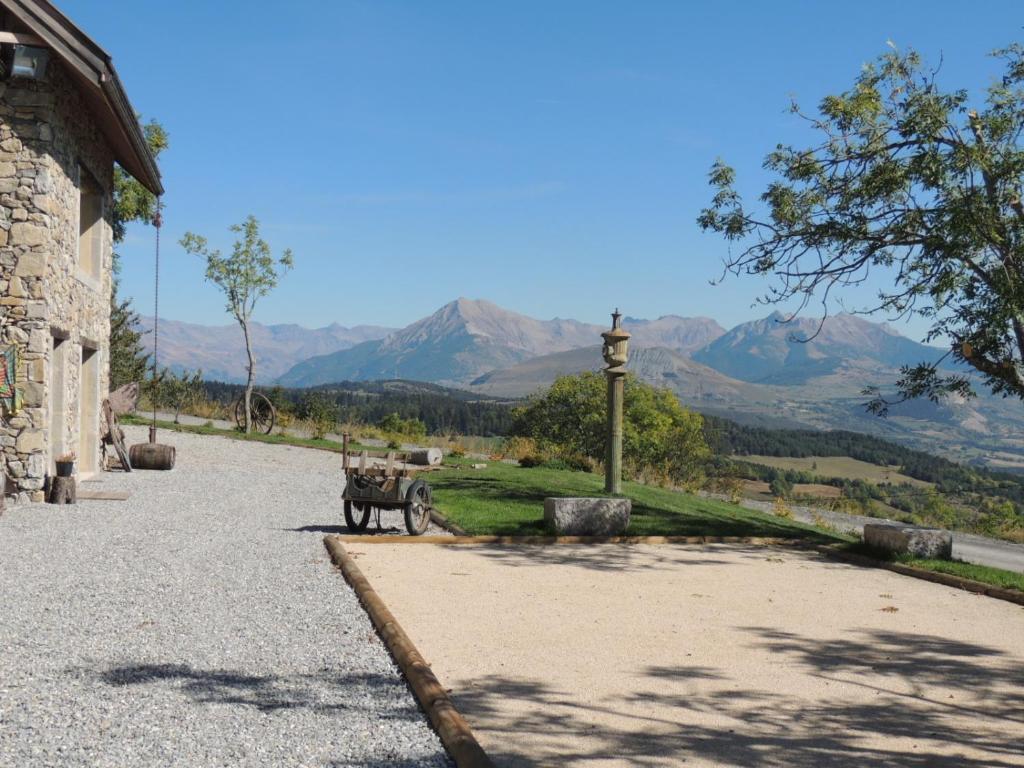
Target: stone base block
x=920, y=542
x=587, y=517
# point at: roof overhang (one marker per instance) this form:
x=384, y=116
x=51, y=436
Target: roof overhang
x=93, y=70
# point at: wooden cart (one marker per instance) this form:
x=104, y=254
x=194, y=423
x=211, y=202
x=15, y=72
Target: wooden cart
x=370, y=486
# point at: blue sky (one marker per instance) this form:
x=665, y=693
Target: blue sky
x=549, y=156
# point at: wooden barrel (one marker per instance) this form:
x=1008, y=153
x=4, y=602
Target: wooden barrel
x=151, y=456
x=426, y=457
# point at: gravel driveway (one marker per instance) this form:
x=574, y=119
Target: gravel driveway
x=199, y=623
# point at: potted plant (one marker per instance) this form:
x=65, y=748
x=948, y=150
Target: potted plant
x=65, y=465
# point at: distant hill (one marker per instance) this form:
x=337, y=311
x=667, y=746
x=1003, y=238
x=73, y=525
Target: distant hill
x=220, y=350
x=679, y=334
x=455, y=344
x=771, y=351
x=693, y=382
x=771, y=380
x=467, y=338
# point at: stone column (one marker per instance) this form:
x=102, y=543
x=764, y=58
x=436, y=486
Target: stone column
x=616, y=344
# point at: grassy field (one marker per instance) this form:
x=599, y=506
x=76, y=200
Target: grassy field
x=760, y=491
x=838, y=467
x=509, y=500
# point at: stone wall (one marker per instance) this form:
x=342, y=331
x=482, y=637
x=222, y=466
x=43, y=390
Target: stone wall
x=46, y=135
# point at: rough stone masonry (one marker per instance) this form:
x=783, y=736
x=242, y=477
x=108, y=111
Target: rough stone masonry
x=50, y=302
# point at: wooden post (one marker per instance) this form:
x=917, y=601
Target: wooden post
x=63, y=490
x=344, y=450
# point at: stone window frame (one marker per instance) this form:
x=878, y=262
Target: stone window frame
x=91, y=276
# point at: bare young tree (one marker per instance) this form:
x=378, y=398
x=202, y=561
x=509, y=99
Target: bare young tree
x=249, y=273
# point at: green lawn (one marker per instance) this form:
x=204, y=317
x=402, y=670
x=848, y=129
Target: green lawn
x=995, y=577
x=508, y=500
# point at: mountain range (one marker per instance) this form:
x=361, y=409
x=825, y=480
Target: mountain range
x=468, y=338
x=803, y=373
x=219, y=350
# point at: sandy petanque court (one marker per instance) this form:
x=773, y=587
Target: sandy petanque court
x=651, y=655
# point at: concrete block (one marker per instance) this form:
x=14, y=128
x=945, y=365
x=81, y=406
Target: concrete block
x=908, y=539
x=587, y=517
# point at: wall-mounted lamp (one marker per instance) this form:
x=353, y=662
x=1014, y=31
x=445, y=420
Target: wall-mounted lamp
x=29, y=61
x=19, y=60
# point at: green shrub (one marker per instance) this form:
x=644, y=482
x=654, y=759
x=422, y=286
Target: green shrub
x=396, y=425
x=660, y=437
x=532, y=460
x=320, y=413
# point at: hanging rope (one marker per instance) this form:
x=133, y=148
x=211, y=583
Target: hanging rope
x=157, y=222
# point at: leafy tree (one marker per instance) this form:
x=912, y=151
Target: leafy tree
x=909, y=180
x=780, y=486
x=320, y=412
x=128, y=360
x=177, y=391
x=132, y=202
x=248, y=274
x=659, y=435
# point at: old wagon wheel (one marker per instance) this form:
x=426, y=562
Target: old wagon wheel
x=262, y=414
x=354, y=525
x=417, y=508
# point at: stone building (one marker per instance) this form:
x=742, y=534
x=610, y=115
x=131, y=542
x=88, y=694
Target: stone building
x=65, y=120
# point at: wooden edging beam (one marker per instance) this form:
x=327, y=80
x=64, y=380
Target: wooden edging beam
x=453, y=729
x=555, y=540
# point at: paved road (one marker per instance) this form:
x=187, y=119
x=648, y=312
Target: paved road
x=966, y=546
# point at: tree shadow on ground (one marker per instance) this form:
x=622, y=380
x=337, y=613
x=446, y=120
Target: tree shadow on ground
x=623, y=557
x=327, y=692
x=330, y=529
x=919, y=663
x=343, y=530
x=702, y=714
x=384, y=762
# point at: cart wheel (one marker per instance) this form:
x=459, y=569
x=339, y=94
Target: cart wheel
x=417, y=508
x=356, y=526
x=261, y=413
